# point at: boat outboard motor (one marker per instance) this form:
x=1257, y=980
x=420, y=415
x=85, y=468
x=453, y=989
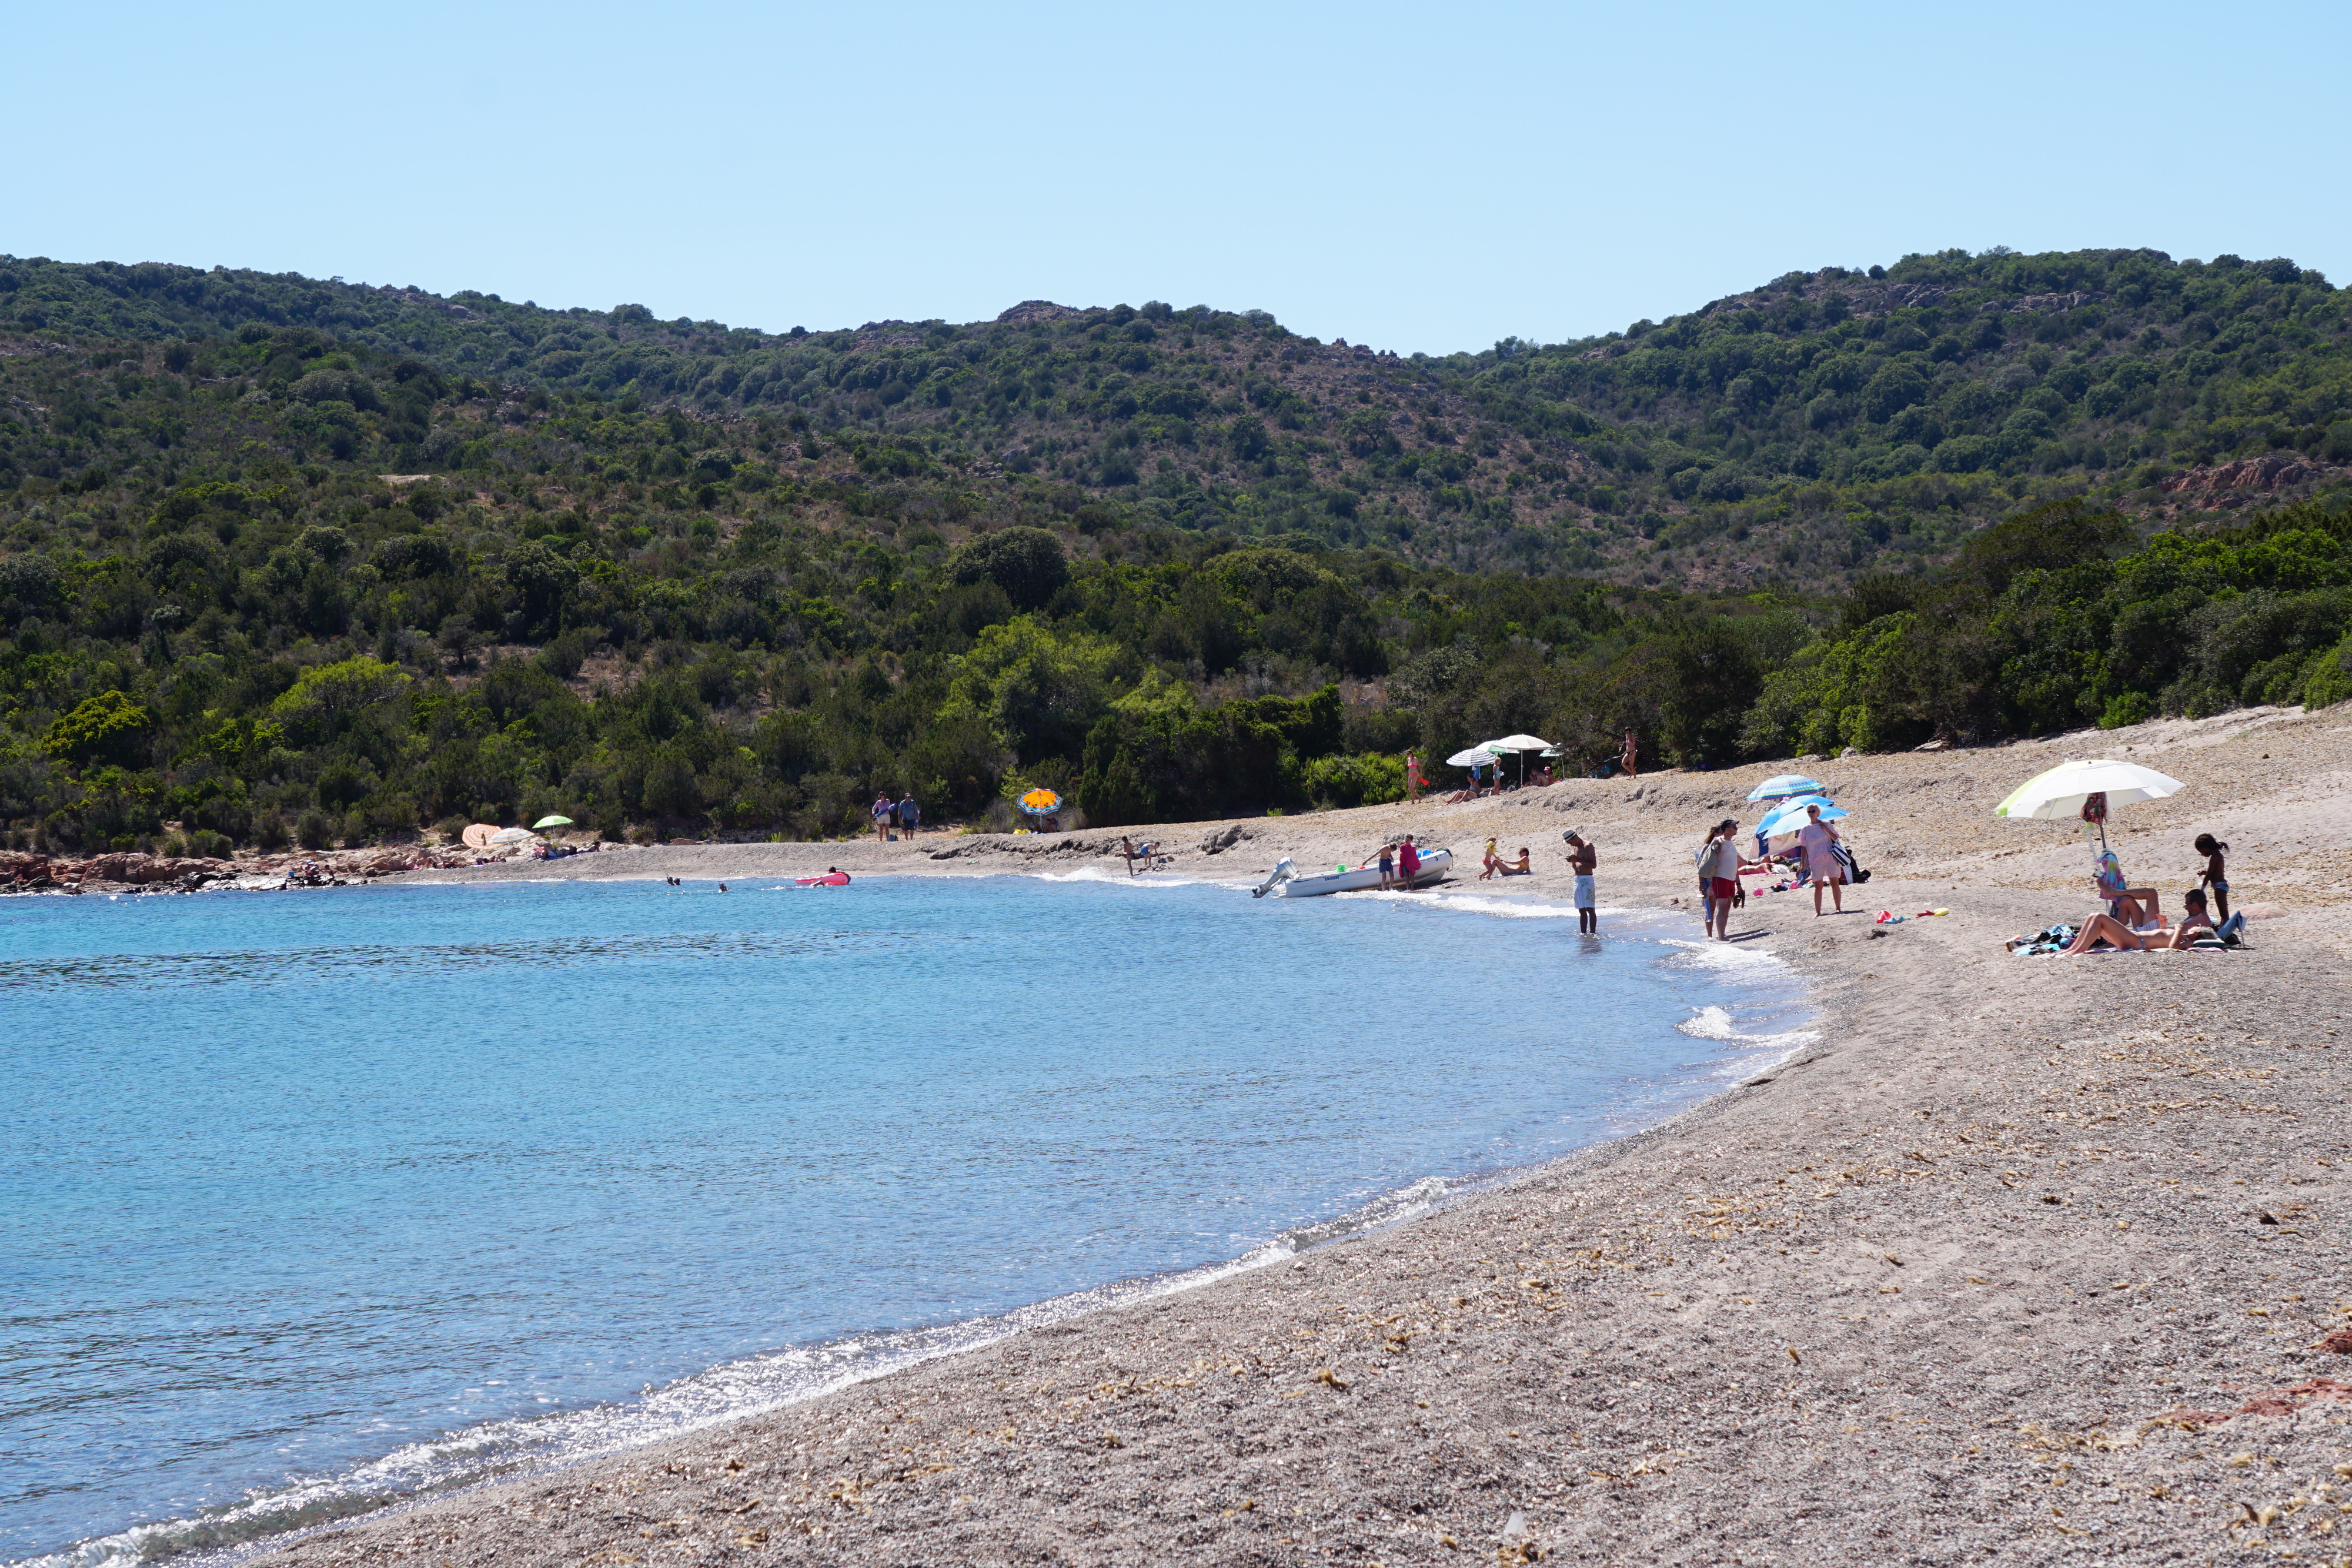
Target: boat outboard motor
x=1283, y=872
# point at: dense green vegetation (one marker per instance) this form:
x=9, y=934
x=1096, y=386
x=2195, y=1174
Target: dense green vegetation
x=1825, y=424
x=289, y=560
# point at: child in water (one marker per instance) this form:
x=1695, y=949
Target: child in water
x=2216, y=879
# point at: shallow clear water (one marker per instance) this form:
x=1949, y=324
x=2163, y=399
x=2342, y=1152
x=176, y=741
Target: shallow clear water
x=311, y=1200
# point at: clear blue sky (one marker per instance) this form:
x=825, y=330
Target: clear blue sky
x=1426, y=178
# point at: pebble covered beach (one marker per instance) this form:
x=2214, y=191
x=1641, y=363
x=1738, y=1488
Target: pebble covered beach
x=2021, y=1259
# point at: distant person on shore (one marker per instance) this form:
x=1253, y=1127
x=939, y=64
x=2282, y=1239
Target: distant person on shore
x=1630, y=758
x=884, y=811
x=2216, y=880
x=910, y=815
x=1413, y=782
x=1582, y=858
x=1818, y=841
x=1388, y=867
x=1490, y=863
x=1408, y=863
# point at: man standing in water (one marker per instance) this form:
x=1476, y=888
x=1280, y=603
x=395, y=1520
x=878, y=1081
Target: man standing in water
x=1582, y=858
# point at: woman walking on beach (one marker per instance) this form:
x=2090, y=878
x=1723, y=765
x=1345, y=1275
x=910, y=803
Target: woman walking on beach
x=1819, y=841
x=1719, y=867
x=1413, y=782
x=1630, y=756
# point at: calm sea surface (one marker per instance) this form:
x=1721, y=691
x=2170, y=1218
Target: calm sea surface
x=308, y=1201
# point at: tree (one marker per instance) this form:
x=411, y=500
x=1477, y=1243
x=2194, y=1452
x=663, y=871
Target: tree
x=1027, y=563
x=108, y=728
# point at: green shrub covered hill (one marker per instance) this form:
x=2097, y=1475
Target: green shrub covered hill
x=286, y=559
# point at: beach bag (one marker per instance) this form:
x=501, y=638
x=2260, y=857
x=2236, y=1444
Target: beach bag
x=1853, y=868
x=1704, y=857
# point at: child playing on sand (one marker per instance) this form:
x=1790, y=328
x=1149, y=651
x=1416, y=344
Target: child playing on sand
x=2216, y=879
x=1580, y=861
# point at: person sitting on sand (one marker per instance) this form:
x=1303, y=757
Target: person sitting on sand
x=1519, y=868
x=2135, y=907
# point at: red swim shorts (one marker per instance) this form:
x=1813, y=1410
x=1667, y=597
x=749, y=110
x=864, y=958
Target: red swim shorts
x=1722, y=887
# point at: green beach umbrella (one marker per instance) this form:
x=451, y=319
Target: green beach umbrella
x=552, y=822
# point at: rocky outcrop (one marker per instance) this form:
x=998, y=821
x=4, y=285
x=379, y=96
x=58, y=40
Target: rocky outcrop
x=2271, y=471
x=1030, y=310
x=1218, y=840
x=24, y=871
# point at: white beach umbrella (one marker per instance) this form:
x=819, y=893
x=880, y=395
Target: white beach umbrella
x=512, y=836
x=1517, y=743
x=1786, y=785
x=1476, y=756
x=2060, y=793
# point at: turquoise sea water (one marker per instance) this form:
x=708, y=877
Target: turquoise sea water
x=310, y=1201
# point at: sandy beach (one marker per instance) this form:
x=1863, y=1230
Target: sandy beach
x=2022, y=1260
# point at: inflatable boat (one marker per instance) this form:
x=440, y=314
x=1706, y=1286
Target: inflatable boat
x=1288, y=882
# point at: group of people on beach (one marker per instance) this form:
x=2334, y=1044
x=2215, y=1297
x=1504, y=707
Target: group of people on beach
x=902, y=817
x=1820, y=858
x=2132, y=919
x=1416, y=778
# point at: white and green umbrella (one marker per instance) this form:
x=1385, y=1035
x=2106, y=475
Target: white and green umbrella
x=2061, y=792
x=550, y=823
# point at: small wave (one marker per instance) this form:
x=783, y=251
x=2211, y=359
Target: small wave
x=1730, y=961
x=1116, y=878
x=1716, y=1024
x=1710, y=1023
